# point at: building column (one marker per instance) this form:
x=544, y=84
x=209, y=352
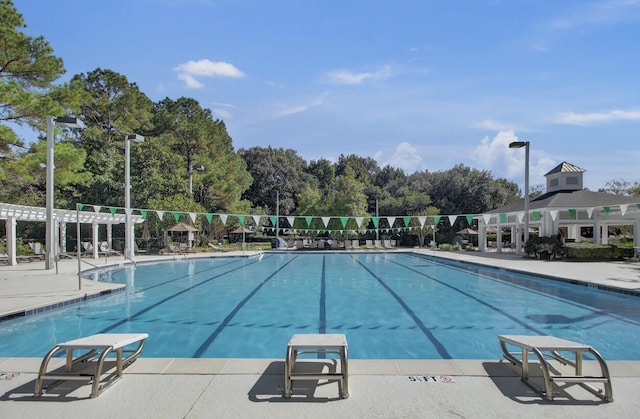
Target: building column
x=604, y=235
x=482, y=236
x=499, y=239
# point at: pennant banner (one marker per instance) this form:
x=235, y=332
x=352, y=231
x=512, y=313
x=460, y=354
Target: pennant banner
x=209, y=217
x=452, y=219
x=223, y=218
x=160, y=214
x=325, y=220
x=590, y=212
x=359, y=221
x=256, y=219
x=572, y=213
x=422, y=219
x=554, y=214
x=176, y=216
x=536, y=215
x=623, y=209
x=241, y=219
x=193, y=216
x=469, y=220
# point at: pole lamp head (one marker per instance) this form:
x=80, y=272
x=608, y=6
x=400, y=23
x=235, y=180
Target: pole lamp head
x=518, y=144
x=197, y=167
x=135, y=138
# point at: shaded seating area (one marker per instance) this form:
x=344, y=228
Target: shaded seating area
x=90, y=364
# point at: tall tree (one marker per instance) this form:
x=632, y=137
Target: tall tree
x=275, y=172
x=28, y=69
x=111, y=108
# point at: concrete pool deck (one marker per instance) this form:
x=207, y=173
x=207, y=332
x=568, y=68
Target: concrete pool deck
x=228, y=388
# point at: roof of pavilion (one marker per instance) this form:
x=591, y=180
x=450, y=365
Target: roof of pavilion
x=27, y=213
x=569, y=199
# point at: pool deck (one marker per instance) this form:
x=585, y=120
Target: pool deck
x=241, y=388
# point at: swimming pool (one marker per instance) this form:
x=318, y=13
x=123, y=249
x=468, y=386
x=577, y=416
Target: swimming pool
x=390, y=305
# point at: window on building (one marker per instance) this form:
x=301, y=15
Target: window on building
x=572, y=180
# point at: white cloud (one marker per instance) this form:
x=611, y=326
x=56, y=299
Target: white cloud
x=495, y=155
x=350, y=78
x=205, y=68
x=405, y=157
x=294, y=109
x=222, y=113
x=571, y=118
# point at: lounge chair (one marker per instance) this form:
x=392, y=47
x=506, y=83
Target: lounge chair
x=387, y=244
x=355, y=244
x=87, y=247
x=106, y=250
x=219, y=248
x=38, y=250
x=550, y=347
x=347, y=244
x=378, y=244
x=369, y=244
x=97, y=348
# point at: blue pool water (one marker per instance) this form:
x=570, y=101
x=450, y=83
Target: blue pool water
x=390, y=306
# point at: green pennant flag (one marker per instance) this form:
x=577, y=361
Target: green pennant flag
x=176, y=216
x=469, y=219
x=407, y=220
x=308, y=220
x=376, y=221
x=273, y=219
x=209, y=217
x=80, y=206
x=536, y=215
x=344, y=220
x=638, y=205
x=572, y=213
x=113, y=210
x=144, y=214
x=503, y=218
x=241, y=218
x=606, y=210
x=436, y=219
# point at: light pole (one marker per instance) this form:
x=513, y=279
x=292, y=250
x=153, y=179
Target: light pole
x=192, y=167
x=277, y=212
x=525, y=144
x=128, y=227
x=50, y=239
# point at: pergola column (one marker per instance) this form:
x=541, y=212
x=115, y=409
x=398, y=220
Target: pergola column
x=94, y=239
x=11, y=240
x=63, y=237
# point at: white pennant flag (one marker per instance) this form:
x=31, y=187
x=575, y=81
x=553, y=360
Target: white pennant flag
x=590, y=212
x=391, y=220
x=422, y=219
x=554, y=214
x=223, y=218
x=623, y=209
x=452, y=219
x=256, y=219
x=96, y=208
x=291, y=220
x=359, y=221
x=520, y=216
x=486, y=218
x=325, y=221
x=193, y=216
x=160, y=214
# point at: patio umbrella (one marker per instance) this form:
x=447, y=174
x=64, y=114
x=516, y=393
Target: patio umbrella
x=467, y=231
x=146, y=234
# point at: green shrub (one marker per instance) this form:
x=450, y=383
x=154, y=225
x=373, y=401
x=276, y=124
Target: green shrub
x=590, y=251
x=449, y=247
x=545, y=247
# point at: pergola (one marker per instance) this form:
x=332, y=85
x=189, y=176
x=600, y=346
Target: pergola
x=14, y=213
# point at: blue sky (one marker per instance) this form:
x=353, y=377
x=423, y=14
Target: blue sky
x=418, y=84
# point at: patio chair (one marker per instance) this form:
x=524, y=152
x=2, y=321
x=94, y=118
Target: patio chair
x=369, y=244
x=355, y=244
